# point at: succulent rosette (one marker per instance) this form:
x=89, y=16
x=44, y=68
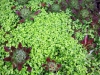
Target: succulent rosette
x=51, y=65
x=26, y=13
x=55, y=7
x=74, y=4
x=91, y=6
x=64, y=4
x=18, y=56
x=84, y=13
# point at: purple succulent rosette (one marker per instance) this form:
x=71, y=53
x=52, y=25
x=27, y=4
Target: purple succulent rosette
x=18, y=56
x=51, y=65
x=26, y=13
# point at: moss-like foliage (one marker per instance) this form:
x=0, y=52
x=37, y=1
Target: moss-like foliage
x=8, y=19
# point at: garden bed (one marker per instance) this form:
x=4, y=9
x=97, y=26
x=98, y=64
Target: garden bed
x=48, y=37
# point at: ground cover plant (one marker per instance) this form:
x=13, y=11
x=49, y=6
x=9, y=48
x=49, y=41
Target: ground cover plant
x=49, y=37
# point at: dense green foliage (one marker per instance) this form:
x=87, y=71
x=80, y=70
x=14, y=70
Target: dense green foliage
x=50, y=35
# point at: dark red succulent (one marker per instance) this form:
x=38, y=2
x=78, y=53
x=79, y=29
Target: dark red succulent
x=51, y=65
x=37, y=12
x=98, y=4
x=64, y=4
x=75, y=11
x=88, y=42
x=42, y=4
x=86, y=9
x=98, y=31
x=95, y=19
x=18, y=56
x=67, y=1
x=13, y=7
